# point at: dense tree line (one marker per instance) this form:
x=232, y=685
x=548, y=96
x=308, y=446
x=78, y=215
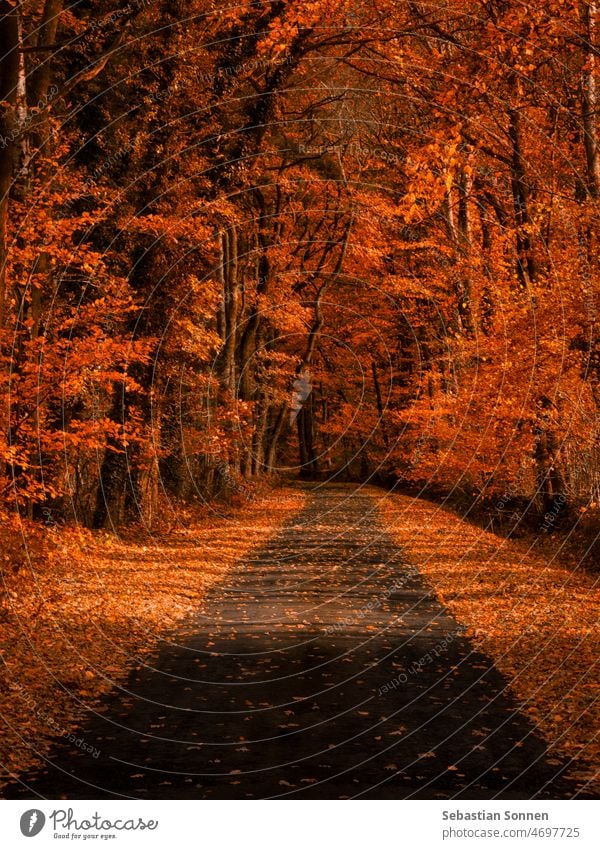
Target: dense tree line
x=331, y=237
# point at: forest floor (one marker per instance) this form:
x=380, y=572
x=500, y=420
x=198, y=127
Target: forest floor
x=530, y=606
x=353, y=644
x=88, y=607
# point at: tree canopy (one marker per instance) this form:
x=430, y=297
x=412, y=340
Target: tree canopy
x=331, y=237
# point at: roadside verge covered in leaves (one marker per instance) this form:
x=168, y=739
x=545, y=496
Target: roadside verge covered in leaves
x=533, y=613
x=75, y=621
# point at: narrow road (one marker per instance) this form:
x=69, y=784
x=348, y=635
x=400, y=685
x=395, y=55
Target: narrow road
x=324, y=668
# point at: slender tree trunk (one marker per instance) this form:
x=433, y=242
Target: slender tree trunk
x=231, y=296
x=9, y=71
x=257, y=463
x=550, y=481
x=380, y=408
x=110, y=495
x=253, y=332
x=48, y=28
x=526, y=267
x=273, y=438
x=589, y=98
x=588, y=235
x=309, y=467
x=465, y=312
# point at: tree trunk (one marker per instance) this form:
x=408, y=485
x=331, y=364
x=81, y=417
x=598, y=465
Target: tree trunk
x=589, y=99
x=9, y=71
x=231, y=295
x=309, y=468
x=380, y=408
x=463, y=293
x=550, y=481
x=273, y=439
x=526, y=268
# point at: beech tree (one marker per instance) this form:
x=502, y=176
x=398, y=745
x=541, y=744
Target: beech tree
x=391, y=205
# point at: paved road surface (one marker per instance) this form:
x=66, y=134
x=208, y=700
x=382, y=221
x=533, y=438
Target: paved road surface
x=324, y=668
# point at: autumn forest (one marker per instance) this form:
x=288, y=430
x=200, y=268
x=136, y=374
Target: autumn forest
x=253, y=249
x=397, y=201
